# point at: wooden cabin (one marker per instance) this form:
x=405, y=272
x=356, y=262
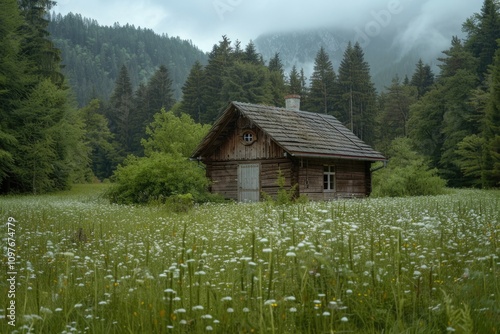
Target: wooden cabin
x=249, y=144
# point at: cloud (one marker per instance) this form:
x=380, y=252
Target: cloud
x=205, y=21
x=147, y=14
x=433, y=23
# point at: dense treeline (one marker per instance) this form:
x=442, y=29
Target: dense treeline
x=454, y=120
x=93, y=55
x=233, y=73
x=447, y=124
x=451, y=119
x=46, y=143
x=41, y=147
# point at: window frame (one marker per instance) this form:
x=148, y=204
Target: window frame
x=329, y=178
x=248, y=134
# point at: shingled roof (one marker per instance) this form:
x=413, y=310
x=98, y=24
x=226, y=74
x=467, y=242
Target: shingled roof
x=299, y=133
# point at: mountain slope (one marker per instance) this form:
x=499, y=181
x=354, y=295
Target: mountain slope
x=93, y=54
x=385, y=56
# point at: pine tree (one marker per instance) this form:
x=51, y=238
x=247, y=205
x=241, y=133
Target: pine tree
x=238, y=54
x=422, y=78
x=251, y=56
x=46, y=135
x=12, y=82
x=395, y=112
x=406, y=81
x=457, y=57
x=426, y=118
x=247, y=82
x=99, y=140
x=40, y=134
x=159, y=95
x=459, y=121
x=159, y=92
x=43, y=57
x=220, y=60
x=297, y=82
x=321, y=97
x=444, y=116
x=120, y=112
x=140, y=112
x=483, y=30
x=491, y=128
x=192, y=93
x=277, y=80
x=357, y=94
x=294, y=84
x=304, y=95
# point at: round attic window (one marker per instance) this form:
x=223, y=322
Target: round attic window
x=248, y=137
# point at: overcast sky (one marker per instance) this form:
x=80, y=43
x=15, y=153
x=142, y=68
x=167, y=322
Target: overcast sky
x=205, y=21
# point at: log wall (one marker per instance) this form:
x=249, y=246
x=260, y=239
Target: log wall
x=352, y=178
x=224, y=175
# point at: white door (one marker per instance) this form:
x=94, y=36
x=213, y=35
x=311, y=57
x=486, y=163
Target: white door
x=248, y=183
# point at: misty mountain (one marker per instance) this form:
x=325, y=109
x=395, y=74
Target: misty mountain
x=93, y=55
x=387, y=54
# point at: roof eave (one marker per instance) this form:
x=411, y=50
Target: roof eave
x=335, y=156
x=214, y=132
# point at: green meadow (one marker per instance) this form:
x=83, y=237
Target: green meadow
x=388, y=265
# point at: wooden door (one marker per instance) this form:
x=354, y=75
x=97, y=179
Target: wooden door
x=248, y=183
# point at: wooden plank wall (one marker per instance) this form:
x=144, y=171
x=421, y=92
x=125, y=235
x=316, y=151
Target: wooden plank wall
x=311, y=180
x=269, y=175
x=224, y=175
x=352, y=178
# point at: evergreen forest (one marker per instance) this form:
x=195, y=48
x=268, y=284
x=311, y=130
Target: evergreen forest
x=92, y=55
x=80, y=102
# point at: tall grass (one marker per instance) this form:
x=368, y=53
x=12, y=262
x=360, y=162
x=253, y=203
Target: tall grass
x=415, y=265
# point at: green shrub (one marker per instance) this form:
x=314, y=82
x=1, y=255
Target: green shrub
x=407, y=174
x=155, y=178
x=180, y=203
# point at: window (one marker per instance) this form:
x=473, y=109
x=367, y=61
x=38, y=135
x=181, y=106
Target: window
x=329, y=178
x=248, y=137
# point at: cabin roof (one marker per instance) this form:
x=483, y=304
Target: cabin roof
x=299, y=133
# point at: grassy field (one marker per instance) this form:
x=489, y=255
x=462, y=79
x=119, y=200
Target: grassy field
x=412, y=265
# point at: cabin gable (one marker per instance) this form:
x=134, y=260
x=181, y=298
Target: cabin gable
x=246, y=142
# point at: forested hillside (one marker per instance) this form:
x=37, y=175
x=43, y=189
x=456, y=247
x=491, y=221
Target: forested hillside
x=93, y=55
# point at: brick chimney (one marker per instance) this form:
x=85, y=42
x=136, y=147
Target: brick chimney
x=292, y=102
